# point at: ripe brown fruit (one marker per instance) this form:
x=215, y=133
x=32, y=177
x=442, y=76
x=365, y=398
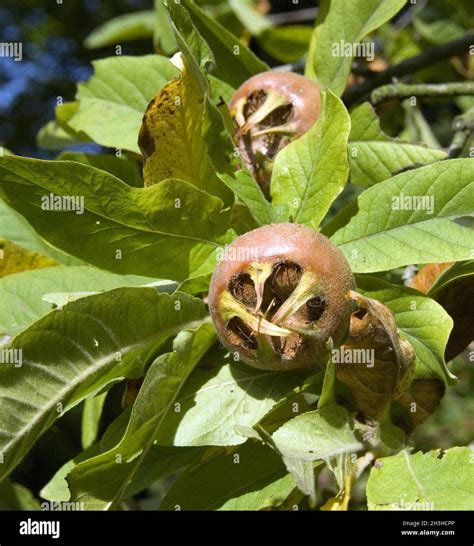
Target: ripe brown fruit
x=269, y=111
x=278, y=294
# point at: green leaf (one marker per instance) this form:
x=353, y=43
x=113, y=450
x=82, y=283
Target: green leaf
x=220, y=396
x=91, y=415
x=52, y=136
x=78, y=351
x=420, y=320
x=235, y=63
x=220, y=91
x=314, y=436
x=442, y=21
x=452, y=289
x=123, y=168
x=311, y=172
x=112, y=102
x=123, y=28
x=99, y=482
x=248, y=14
x=317, y=435
x=435, y=480
x=195, y=50
x=14, y=496
x=14, y=227
x=347, y=23
x=167, y=230
x=452, y=275
x=286, y=44
x=384, y=234
x=160, y=462
x=57, y=134
x=163, y=38
x=251, y=478
x=374, y=156
x=25, y=296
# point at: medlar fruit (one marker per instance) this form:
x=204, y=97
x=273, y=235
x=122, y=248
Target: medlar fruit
x=278, y=294
x=269, y=111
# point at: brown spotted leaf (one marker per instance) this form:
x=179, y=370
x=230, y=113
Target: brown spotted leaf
x=171, y=136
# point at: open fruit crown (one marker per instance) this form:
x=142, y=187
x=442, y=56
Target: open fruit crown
x=269, y=111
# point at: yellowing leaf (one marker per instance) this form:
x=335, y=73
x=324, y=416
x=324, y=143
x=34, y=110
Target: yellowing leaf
x=14, y=259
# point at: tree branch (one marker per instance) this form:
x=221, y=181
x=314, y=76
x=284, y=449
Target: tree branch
x=406, y=90
x=426, y=58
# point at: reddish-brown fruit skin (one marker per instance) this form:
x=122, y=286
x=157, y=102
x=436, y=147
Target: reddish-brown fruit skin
x=303, y=93
x=305, y=247
x=302, y=106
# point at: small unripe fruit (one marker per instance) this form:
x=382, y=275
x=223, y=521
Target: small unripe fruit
x=269, y=111
x=279, y=294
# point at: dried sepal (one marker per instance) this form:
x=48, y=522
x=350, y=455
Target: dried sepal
x=375, y=362
x=421, y=399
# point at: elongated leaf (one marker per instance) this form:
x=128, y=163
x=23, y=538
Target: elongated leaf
x=312, y=171
x=314, y=436
x=112, y=102
x=454, y=290
x=249, y=15
x=91, y=415
x=251, y=478
x=24, y=296
x=346, y=24
x=168, y=230
x=196, y=52
x=159, y=463
x=14, y=496
x=420, y=320
x=374, y=156
x=57, y=134
x=235, y=63
x=123, y=168
x=54, y=137
x=171, y=138
x=220, y=396
x=287, y=44
x=435, y=480
x=14, y=227
x=451, y=276
x=317, y=435
x=75, y=352
x=408, y=219
x=163, y=38
x=123, y=28
x=99, y=482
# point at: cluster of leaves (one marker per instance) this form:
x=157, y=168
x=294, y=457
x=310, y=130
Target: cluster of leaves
x=125, y=298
